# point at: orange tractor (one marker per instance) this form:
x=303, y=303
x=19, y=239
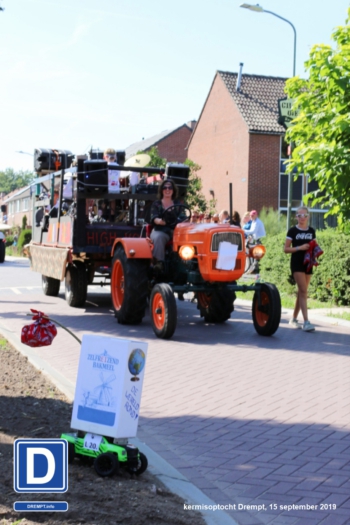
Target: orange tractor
x=192, y=265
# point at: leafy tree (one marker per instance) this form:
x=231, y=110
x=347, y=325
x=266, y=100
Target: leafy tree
x=194, y=197
x=156, y=160
x=321, y=132
x=11, y=180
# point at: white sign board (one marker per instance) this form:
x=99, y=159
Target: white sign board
x=109, y=386
x=227, y=256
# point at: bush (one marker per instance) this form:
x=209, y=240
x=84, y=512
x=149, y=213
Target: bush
x=330, y=280
x=9, y=240
x=274, y=221
x=24, y=238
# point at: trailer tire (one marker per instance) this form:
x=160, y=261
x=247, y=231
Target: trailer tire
x=50, y=285
x=129, y=287
x=216, y=307
x=142, y=465
x=267, y=316
x=106, y=464
x=76, y=284
x=2, y=251
x=163, y=310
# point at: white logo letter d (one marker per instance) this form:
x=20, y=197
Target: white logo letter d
x=30, y=465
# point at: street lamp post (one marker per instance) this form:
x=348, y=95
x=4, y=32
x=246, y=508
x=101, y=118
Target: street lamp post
x=259, y=9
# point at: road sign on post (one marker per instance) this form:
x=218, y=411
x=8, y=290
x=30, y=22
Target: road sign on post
x=286, y=115
x=286, y=111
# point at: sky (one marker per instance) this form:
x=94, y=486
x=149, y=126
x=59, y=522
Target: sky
x=108, y=73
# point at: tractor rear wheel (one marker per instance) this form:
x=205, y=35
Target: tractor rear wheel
x=76, y=284
x=267, y=315
x=163, y=311
x=50, y=285
x=129, y=287
x=216, y=306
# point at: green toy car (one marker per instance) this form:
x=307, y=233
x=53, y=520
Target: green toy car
x=107, y=456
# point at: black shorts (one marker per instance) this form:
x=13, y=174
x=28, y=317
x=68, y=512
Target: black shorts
x=300, y=267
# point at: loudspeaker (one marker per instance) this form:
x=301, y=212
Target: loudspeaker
x=179, y=173
x=52, y=160
x=95, y=154
x=120, y=157
x=95, y=175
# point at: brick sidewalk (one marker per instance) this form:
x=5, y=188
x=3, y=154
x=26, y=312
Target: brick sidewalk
x=249, y=420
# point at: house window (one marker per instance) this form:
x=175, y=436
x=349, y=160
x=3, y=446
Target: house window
x=301, y=186
x=18, y=205
x=25, y=204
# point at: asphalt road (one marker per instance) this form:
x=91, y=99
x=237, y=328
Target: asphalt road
x=261, y=423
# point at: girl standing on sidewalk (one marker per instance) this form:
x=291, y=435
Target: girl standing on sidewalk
x=297, y=243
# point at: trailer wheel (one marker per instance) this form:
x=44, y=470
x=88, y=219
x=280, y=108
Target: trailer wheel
x=216, y=307
x=163, y=311
x=76, y=284
x=142, y=464
x=267, y=316
x=50, y=285
x=129, y=287
x=71, y=452
x=106, y=464
x=2, y=251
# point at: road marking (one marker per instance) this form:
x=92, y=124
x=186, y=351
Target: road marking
x=17, y=289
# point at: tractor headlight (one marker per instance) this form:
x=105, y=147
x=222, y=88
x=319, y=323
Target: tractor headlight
x=257, y=251
x=187, y=252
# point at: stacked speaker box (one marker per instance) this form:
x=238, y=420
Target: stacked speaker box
x=179, y=173
x=47, y=160
x=95, y=154
x=120, y=157
x=95, y=176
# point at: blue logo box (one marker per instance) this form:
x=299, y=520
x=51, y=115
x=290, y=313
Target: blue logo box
x=40, y=506
x=40, y=465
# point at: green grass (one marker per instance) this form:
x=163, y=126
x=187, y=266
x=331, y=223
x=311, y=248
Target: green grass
x=344, y=315
x=3, y=343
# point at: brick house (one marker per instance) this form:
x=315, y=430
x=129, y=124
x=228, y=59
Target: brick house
x=15, y=205
x=238, y=139
x=171, y=144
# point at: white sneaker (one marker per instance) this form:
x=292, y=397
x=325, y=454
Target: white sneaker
x=294, y=323
x=308, y=327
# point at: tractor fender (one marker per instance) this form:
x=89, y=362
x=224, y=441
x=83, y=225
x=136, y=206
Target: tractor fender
x=138, y=248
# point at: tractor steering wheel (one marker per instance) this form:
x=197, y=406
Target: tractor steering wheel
x=176, y=214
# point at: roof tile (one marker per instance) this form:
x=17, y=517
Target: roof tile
x=257, y=100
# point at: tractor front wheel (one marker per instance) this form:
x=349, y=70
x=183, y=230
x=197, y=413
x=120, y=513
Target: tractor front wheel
x=163, y=311
x=266, y=312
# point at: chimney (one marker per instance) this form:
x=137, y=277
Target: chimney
x=191, y=124
x=239, y=77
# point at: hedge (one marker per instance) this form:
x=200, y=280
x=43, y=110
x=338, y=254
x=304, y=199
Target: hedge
x=9, y=240
x=24, y=238
x=330, y=280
